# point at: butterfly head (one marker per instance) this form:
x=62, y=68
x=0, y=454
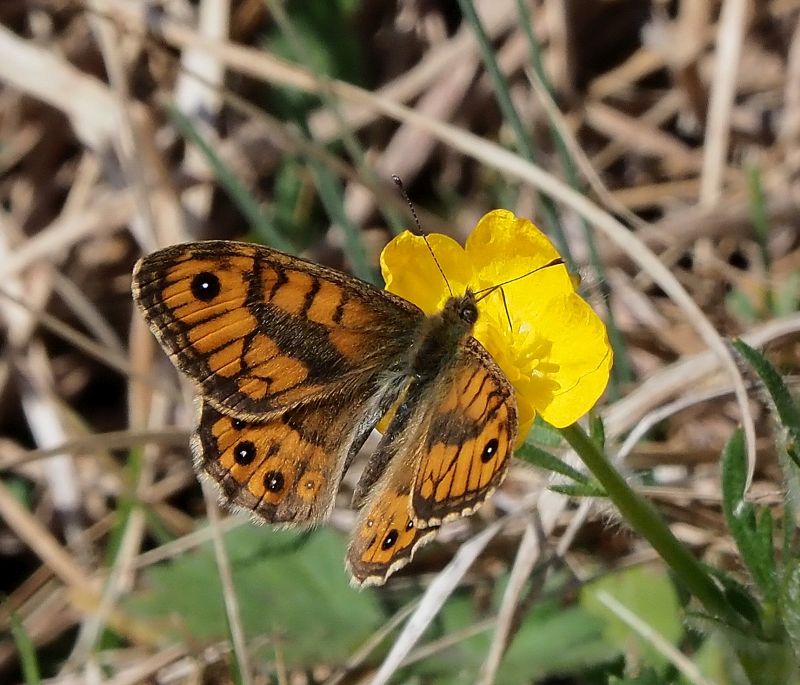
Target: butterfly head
x=466, y=307
x=443, y=332
x=461, y=311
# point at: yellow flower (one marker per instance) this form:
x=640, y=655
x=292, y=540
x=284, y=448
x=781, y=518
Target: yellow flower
x=550, y=343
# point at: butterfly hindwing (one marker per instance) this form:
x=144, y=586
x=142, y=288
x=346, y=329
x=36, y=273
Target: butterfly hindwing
x=259, y=331
x=445, y=451
x=385, y=537
x=286, y=469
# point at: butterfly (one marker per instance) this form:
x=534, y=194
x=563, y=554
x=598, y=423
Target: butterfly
x=295, y=363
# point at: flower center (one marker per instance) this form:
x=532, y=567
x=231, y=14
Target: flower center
x=531, y=351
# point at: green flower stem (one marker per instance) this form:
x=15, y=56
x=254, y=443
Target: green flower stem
x=645, y=520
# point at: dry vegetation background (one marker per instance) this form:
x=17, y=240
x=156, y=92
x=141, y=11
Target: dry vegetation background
x=125, y=126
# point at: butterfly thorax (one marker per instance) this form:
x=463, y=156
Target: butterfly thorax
x=441, y=335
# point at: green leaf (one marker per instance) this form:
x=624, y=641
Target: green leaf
x=764, y=532
x=288, y=589
x=785, y=406
x=754, y=540
x=788, y=525
x=552, y=640
x=713, y=658
x=647, y=677
x=542, y=433
x=651, y=596
x=543, y=459
x=740, y=598
x=597, y=430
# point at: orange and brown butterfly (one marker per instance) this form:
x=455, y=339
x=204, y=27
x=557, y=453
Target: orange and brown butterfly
x=295, y=363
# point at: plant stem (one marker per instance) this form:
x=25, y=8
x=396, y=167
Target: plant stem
x=645, y=520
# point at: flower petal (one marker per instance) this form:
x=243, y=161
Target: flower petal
x=579, y=359
x=547, y=340
x=410, y=271
x=504, y=246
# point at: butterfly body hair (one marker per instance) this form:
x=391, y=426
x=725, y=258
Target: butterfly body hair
x=441, y=334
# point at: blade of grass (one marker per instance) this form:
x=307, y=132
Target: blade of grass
x=330, y=191
x=126, y=503
x=622, y=371
x=351, y=144
x=331, y=195
x=26, y=650
x=758, y=215
x=524, y=147
x=242, y=670
x=590, y=489
x=233, y=187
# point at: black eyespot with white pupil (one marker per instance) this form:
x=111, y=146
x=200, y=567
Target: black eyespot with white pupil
x=205, y=286
x=238, y=424
x=390, y=539
x=273, y=481
x=244, y=453
x=489, y=450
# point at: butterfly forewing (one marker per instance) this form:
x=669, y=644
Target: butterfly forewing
x=260, y=332
x=466, y=438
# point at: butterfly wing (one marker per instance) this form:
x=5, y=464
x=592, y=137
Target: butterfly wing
x=286, y=469
x=385, y=537
x=456, y=432
x=260, y=332
x=467, y=438
x=445, y=451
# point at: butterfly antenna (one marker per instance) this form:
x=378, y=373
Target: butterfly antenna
x=485, y=292
x=399, y=183
x=505, y=306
